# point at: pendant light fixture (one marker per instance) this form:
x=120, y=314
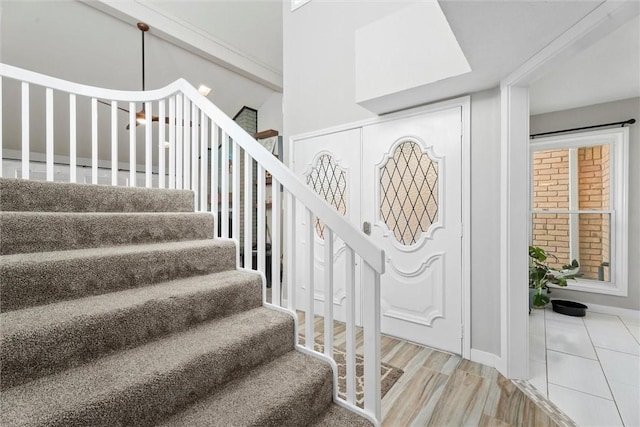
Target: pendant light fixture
x=141, y=116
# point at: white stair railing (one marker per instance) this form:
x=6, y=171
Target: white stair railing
x=185, y=143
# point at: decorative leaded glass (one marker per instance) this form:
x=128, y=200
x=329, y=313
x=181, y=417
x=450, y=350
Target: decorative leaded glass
x=330, y=182
x=409, y=192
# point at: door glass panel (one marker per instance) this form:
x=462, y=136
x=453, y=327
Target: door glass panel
x=329, y=180
x=409, y=192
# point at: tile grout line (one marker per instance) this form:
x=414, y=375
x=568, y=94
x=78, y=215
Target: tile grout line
x=574, y=355
x=546, y=361
x=603, y=373
x=616, y=351
x=627, y=327
x=583, y=392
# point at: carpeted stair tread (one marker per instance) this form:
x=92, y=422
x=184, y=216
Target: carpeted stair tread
x=37, y=341
x=34, y=279
x=290, y=391
x=144, y=385
x=336, y=416
x=24, y=232
x=27, y=195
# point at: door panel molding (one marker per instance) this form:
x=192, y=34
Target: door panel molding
x=432, y=309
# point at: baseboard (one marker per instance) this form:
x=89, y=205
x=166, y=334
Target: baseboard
x=616, y=311
x=485, y=358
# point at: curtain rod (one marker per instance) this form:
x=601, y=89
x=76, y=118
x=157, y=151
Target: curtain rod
x=626, y=122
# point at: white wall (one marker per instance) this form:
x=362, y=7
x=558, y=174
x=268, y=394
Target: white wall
x=270, y=113
x=485, y=221
x=593, y=115
x=319, y=92
x=319, y=62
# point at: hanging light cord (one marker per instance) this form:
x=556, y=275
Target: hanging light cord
x=143, y=28
x=142, y=60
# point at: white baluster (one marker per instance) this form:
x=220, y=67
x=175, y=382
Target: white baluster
x=276, y=292
x=132, y=144
x=235, y=205
x=161, y=141
x=114, y=143
x=291, y=253
x=328, y=291
x=172, y=142
x=179, y=132
x=94, y=141
x=49, y=133
x=25, y=130
x=248, y=235
x=204, y=157
x=195, y=147
x=224, y=185
x=148, y=147
x=194, y=154
x=350, y=281
x=309, y=317
x=371, y=331
x=73, y=136
x=261, y=230
x=215, y=170
x=186, y=127
x=0, y=126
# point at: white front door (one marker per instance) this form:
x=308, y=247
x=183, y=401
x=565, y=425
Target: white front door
x=412, y=199
x=330, y=165
x=404, y=178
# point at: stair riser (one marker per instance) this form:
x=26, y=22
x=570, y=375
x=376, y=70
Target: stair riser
x=145, y=404
x=30, y=284
x=35, y=353
x=24, y=195
x=307, y=405
x=292, y=390
x=26, y=232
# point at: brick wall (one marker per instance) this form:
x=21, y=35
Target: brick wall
x=551, y=191
x=593, y=171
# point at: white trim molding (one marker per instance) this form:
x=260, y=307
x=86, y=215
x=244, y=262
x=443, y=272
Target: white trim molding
x=614, y=311
x=486, y=358
x=296, y=4
x=514, y=232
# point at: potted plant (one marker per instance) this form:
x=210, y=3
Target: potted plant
x=541, y=274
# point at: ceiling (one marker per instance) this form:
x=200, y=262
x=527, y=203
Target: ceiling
x=496, y=37
x=76, y=42
x=70, y=40
x=253, y=27
x=608, y=70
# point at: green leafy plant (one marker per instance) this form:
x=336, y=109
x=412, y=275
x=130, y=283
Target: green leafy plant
x=541, y=274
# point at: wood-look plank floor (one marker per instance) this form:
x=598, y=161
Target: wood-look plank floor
x=442, y=389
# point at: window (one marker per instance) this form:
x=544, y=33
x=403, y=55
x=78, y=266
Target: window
x=579, y=186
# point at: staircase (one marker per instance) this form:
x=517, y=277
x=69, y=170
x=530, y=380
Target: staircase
x=118, y=308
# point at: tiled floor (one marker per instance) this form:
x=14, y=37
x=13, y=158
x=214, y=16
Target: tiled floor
x=588, y=366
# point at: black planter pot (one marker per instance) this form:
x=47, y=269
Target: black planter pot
x=570, y=308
